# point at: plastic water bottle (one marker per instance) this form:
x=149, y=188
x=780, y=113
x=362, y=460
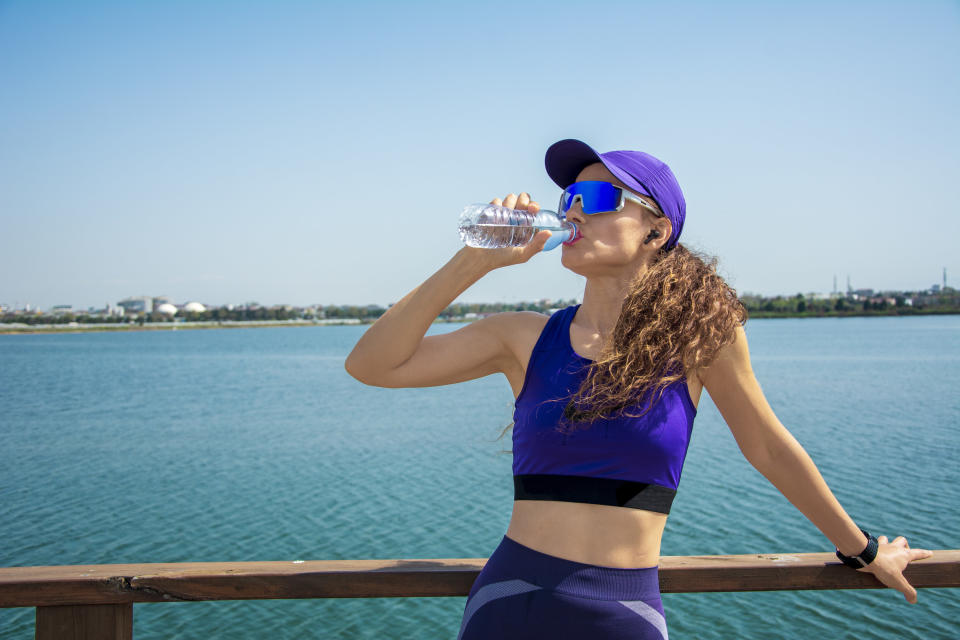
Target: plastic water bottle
x=491, y=226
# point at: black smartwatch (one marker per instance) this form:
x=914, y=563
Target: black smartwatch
x=865, y=557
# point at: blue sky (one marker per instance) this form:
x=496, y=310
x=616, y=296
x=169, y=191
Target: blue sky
x=309, y=152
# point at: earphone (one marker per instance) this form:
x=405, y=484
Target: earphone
x=653, y=234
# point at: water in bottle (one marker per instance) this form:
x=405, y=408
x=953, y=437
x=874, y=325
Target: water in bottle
x=491, y=226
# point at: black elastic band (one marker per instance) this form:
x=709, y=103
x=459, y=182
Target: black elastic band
x=606, y=491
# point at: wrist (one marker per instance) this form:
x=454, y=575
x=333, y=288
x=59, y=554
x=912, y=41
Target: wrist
x=856, y=546
x=863, y=557
x=476, y=262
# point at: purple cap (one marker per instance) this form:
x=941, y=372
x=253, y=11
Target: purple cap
x=640, y=171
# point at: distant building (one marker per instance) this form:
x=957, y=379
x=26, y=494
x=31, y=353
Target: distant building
x=60, y=309
x=108, y=310
x=140, y=304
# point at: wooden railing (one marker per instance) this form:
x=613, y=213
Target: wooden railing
x=96, y=601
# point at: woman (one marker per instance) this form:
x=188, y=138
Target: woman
x=606, y=393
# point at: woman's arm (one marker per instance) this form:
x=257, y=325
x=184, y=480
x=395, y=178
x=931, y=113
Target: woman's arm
x=775, y=453
x=393, y=352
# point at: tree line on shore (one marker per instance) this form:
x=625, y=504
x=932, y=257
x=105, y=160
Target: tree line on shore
x=946, y=301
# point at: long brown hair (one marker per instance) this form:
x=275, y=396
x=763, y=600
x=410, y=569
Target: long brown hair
x=677, y=316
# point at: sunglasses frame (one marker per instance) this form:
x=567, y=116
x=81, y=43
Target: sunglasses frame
x=624, y=196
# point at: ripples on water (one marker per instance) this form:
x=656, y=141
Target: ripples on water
x=254, y=444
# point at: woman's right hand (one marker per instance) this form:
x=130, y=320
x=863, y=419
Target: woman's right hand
x=496, y=258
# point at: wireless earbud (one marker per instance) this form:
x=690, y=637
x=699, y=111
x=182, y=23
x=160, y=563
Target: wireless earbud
x=653, y=234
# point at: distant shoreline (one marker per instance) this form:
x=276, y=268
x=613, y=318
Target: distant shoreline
x=6, y=329
x=162, y=326
x=766, y=315
x=12, y=329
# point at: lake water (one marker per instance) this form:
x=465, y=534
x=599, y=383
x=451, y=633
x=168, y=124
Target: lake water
x=254, y=444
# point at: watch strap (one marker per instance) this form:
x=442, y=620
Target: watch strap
x=865, y=557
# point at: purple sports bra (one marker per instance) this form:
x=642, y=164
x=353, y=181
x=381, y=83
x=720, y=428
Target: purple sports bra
x=624, y=462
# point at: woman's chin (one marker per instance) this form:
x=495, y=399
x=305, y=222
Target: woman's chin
x=590, y=263
x=574, y=260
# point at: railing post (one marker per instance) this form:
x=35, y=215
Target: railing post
x=85, y=622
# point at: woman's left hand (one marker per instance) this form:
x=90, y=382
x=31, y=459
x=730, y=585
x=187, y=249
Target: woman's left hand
x=892, y=558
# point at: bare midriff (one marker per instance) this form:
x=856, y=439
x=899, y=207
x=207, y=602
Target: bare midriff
x=590, y=533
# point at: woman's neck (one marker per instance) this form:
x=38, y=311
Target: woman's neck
x=602, y=301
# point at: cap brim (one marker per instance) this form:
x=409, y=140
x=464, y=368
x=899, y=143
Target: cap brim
x=565, y=160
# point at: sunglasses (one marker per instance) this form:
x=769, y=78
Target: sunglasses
x=599, y=197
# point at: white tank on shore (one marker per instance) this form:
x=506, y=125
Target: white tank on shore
x=194, y=307
x=166, y=309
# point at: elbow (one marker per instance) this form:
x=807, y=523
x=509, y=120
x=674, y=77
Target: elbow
x=769, y=458
x=354, y=369
x=759, y=459
x=350, y=367
x=759, y=451
x=366, y=375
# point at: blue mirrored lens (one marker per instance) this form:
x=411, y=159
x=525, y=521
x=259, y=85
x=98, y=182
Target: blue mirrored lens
x=595, y=197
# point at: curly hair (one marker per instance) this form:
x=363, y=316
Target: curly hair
x=677, y=316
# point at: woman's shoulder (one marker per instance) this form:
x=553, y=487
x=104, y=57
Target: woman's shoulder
x=531, y=320
x=509, y=323
x=518, y=330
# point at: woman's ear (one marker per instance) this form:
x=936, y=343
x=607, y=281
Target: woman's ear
x=660, y=230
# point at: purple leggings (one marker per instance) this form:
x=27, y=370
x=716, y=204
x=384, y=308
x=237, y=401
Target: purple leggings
x=524, y=593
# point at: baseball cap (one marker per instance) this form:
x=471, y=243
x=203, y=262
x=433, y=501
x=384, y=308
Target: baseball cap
x=639, y=171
